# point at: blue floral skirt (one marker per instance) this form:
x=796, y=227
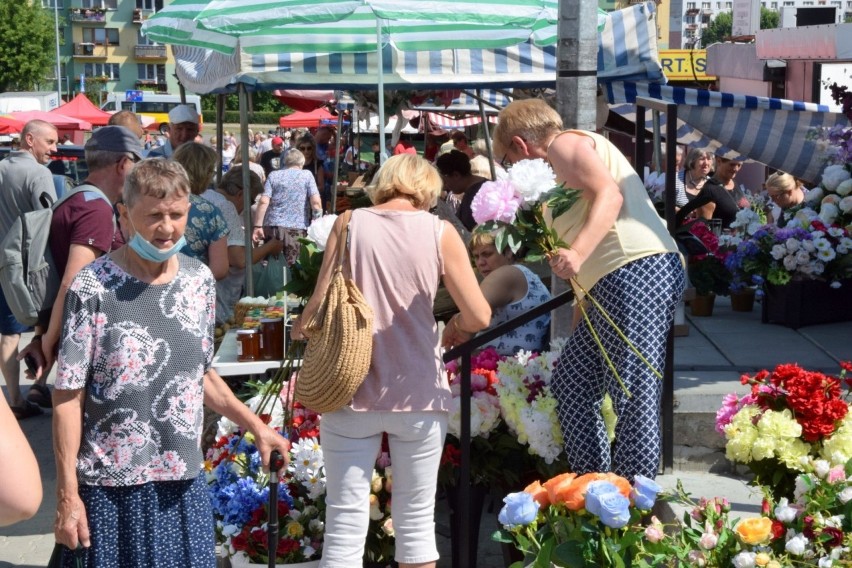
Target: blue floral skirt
x=156, y=525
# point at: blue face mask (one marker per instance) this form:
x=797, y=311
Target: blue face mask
x=149, y=252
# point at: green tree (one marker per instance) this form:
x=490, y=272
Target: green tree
x=262, y=101
x=27, y=44
x=720, y=27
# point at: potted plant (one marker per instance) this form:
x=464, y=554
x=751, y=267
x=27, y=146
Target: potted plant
x=707, y=271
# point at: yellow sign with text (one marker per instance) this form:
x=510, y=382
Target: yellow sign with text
x=685, y=64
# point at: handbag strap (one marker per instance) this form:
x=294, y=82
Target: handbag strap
x=343, y=244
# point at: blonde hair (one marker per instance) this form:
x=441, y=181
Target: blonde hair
x=531, y=119
x=407, y=176
x=482, y=238
x=159, y=178
x=781, y=182
x=199, y=161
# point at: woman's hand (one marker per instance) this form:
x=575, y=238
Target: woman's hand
x=296, y=331
x=453, y=335
x=566, y=263
x=72, y=526
x=257, y=235
x=266, y=439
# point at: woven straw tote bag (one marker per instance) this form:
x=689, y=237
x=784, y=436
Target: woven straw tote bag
x=340, y=342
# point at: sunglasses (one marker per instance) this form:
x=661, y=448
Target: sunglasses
x=304, y=148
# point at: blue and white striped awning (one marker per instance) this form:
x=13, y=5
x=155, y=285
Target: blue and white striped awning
x=627, y=50
x=772, y=131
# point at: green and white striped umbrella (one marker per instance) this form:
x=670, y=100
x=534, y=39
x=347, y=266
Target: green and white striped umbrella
x=352, y=26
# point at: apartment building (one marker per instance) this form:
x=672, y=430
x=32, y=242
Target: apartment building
x=103, y=47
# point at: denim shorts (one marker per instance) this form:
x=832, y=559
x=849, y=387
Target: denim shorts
x=8, y=324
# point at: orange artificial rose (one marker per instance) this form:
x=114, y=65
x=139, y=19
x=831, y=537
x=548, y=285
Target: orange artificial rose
x=575, y=496
x=539, y=493
x=557, y=486
x=753, y=531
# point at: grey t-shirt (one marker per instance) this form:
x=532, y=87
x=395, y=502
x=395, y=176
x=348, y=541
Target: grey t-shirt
x=140, y=351
x=25, y=185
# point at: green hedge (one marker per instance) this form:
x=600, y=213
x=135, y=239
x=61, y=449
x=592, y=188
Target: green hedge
x=233, y=117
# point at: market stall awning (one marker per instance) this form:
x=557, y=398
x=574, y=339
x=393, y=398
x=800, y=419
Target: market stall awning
x=772, y=131
x=310, y=119
x=627, y=50
x=81, y=107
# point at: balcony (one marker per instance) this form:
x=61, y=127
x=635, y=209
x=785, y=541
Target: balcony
x=140, y=15
x=150, y=52
x=152, y=85
x=87, y=50
x=692, y=12
x=88, y=15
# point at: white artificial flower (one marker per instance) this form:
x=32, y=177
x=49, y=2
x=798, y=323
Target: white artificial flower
x=828, y=213
x=845, y=495
x=826, y=255
x=532, y=179
x=784, y=512
x=778, y=251
x=814, y=195
x=320, y=229
x=744, y=560
x=790, y=262
x=796, y=545
x=831, y=198
x=845, y=188
x=845, y=204
x=792, y=244
x=821, y=243
x=833, y=176
x=825, y=562
x=821, y=467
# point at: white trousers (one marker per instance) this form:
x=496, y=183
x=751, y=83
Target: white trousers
x=351, y=441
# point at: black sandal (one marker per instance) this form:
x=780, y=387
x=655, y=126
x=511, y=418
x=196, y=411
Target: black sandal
x=40, y=395
x=28, y=410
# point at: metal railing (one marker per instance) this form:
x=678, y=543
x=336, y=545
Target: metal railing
x=465, y=351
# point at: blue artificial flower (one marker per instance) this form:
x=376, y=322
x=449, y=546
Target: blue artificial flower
x=615, y=510
x=645, y=492
x=594, y=491
x=519, y=509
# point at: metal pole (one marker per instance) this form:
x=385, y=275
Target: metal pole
x=463, y=505
x=58, y=63
x=247, y=216
x=220, y=131
x=381, y=73
x=485, y=129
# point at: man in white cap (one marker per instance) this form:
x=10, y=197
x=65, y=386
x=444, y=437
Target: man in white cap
x=183, y=128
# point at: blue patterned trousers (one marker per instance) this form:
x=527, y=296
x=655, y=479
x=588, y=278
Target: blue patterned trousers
x=640, y=297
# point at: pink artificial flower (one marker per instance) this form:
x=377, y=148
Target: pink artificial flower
x=836, y=474
x=495, y=201
x=730, y=406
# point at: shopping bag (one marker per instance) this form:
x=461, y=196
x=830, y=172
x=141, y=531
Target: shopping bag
x=269, y=275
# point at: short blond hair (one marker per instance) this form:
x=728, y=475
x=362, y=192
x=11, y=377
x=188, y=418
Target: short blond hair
x=159, y=178
x=199, y=161
x=531, y=119
x=781, y=182
x=407, y=176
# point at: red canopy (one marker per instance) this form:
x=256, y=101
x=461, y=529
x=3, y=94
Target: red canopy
x=307, y=119
x=304, y=101
x=9, y=125
x=81, y=107
x=60, y=121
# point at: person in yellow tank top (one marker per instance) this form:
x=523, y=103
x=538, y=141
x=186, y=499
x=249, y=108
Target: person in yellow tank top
x=621, y=253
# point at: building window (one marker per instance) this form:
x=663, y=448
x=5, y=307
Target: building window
x=142, y=39
x=52, y=3
x=153, y=5
x=101, y=36
x=691, y=6
x=775, y=5
x=109, y=70
x=102, y=4
x=152, y=72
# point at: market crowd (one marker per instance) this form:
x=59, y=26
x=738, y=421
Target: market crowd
x=150, y=255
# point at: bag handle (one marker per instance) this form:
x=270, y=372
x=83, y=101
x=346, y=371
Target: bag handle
x=343, y=243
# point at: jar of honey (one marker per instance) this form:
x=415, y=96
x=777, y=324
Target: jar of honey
x=272, y=330
x=248, y=345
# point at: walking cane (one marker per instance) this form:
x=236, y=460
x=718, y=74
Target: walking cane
x=276, y=462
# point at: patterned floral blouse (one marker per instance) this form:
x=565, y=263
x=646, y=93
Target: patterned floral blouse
x=205, y=225
x=532, y=335
x=140, y=351
x=289, y=192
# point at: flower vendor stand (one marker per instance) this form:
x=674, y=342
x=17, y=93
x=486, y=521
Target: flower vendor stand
x=807, y=302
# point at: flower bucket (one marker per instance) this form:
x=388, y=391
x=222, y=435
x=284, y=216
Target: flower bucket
x=807, y=302
x=702, y=306
x=742, y=301
x=240, y=560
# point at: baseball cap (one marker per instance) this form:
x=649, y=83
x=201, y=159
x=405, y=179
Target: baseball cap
x=277, y=140
x=183, y=113
x=115, y=139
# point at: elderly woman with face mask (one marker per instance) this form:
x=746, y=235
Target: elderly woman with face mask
x=134, y=369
